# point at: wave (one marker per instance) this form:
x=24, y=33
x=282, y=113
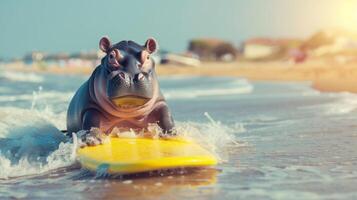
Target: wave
x=212, y=135
x=215, y=136
x=230, y=88
x=49, y=95
x=64, y=156
x=30, y=139
x=339, y=104
x=181, y=94
x=345, y=104
x=30, y=143
x=21, y=77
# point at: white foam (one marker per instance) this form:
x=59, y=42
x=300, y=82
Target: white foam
x=240, y=86
x=213, y=135
x=43, y=104
x=11, y=117
x=28, y=122
x=345, y=103
x=177, y=77
x=48, y=95
x=269, y=193
x=22, y=77
x=32, y=130
x=62, y=157
x=184, y=94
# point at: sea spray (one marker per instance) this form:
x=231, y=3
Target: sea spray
x=31, y=142
x=42, y=108
x=75, y=146
x=35, y=97
x=62, y=157
x=214, y=136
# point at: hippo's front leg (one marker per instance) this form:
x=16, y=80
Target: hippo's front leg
x=162, y=116
x=90, y=133
x=91, y=118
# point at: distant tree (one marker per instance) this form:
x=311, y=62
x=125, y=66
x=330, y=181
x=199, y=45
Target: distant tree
x=211, y=49
x=224, y=49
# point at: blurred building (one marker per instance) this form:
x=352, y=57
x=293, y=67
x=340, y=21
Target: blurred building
x=212, y=49
x=82, y=59
x=269, y=49
x=58, y=59
x=85, y=58
x=35, y=56
x=177, y=59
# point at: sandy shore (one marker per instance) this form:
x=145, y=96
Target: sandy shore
x=325, y=76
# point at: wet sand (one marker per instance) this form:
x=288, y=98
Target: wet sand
x=325, y=76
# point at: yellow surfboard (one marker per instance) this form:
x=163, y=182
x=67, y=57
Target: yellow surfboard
x=135, y=155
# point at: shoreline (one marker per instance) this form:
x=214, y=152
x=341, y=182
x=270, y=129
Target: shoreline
x=325, y=77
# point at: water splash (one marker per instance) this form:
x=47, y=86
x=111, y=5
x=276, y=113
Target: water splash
x=36, y=130
x=214, y=136
x=62, y=157
x=31, y=142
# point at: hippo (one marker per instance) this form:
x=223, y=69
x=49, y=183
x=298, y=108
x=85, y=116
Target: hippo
x=123, y=91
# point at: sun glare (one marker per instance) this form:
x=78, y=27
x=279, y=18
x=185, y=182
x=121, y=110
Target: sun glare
x=347, y=15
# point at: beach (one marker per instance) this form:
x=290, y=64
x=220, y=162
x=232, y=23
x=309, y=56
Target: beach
x=268, y=89
x=325, y=76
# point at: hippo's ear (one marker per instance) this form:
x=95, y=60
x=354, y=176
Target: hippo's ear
x=105, y=44
x=151, y=45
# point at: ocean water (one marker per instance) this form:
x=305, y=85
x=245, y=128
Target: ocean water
x=275, y=140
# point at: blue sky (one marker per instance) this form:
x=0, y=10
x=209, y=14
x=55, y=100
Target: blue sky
x=75, y=25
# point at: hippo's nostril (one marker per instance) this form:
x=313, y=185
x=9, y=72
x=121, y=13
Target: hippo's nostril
x=141, y=76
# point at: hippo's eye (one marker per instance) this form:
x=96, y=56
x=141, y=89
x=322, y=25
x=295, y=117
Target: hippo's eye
x=114, y=58
x=112, y=55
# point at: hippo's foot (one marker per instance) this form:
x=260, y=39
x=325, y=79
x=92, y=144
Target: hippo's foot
x=91, y=137
x=169, y=134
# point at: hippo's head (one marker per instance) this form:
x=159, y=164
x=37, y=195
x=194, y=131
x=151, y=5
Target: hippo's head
x=131, y=76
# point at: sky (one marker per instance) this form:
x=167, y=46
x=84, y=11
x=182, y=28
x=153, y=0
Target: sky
x=77, y=25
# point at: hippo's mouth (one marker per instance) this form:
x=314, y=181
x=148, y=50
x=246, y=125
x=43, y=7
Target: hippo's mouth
x=129, y=101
